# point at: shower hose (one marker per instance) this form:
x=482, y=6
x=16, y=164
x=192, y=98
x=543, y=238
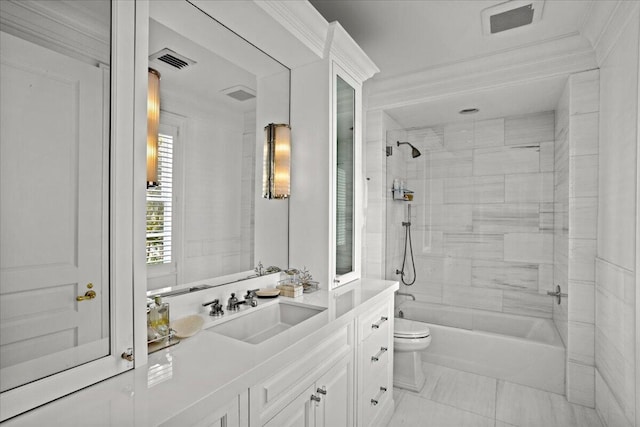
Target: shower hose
x=407, y=241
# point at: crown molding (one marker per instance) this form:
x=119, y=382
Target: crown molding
x=606, y=21
x=68, y=27
x=552, y=58
x=344, y=50
x=292, y=32
x=301, y=19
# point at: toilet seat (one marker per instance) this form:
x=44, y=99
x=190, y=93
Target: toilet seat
x=409, y=329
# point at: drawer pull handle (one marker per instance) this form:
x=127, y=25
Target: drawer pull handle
x=315, y=398
x=322, y=390
x=379, y=354
x=376, y=399
x=379, y=322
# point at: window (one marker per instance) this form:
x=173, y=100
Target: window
x=160, y=205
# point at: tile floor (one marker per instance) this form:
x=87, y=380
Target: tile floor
x=461, y=399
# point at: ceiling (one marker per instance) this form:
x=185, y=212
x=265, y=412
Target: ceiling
x=405, y=38
x=224, y=61
x=540, y=95
x=195, y=81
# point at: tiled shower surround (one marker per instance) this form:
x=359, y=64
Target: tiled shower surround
x=576, y=202
x=482, y=214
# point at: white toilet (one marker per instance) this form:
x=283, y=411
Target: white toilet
x=409, y=339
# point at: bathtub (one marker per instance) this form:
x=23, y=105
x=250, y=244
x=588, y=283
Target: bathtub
x=519, y=349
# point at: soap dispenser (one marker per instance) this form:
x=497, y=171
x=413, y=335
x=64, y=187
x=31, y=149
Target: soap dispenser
x=159, y=317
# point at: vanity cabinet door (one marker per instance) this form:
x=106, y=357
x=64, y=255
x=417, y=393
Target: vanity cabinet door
x=234, y=414
x=335, y=389
x=300, y=412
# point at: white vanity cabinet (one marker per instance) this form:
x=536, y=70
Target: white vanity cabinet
x=234, y=414
x=375, y=365
x=327, y=183
x=325, y=403
x=316, y=389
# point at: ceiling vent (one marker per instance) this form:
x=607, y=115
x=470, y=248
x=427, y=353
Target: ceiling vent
x=240, y=92
x=510, y=15
x=172, y=59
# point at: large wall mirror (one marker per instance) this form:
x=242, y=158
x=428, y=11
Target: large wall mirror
x=207, y=221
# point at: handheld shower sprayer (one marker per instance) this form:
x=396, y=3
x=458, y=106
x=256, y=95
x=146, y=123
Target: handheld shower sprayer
x=407, y=242
x=414, y=151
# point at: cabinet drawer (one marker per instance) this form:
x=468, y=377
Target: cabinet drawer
x=376, y=393
x=375, y=358
x=377, y=322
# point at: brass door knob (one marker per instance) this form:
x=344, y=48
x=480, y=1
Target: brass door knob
x=86, y=296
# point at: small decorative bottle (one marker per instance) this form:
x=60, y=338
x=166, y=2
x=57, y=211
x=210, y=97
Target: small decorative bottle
x=159, y=317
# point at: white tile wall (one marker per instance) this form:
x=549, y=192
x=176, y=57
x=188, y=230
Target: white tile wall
x=504, y=275
x=529, y=129
x=582, y=302
x=478, y=189
x=528, y=247
x=489, y=133
x=607, y=405
x=473, y=193
x=470, y=297
x=576, y=197
x=581, y=343
x=527, y=304
x=585, y=133
x=582, y=253
x=581, y=385
x=477, y=246
x=445, y=164
x=534, y=187
x=506, y=160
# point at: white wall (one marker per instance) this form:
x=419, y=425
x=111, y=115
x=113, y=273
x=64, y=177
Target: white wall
x=213, y=144
x=616, y=346
x=482, y=214
x=575, y=197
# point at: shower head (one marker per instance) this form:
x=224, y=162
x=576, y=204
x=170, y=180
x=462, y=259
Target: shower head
x=414, y=151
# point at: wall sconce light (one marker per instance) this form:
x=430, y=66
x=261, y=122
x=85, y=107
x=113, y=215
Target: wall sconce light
x=153, y=122
x=276, y=182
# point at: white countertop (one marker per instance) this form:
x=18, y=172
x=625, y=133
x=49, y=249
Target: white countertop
x=182, y=383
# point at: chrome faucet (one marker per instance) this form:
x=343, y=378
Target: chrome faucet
x=250, y=298
x=233, y=303
x=216, y=308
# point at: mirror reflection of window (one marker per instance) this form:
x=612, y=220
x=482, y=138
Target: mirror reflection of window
x=160, y=205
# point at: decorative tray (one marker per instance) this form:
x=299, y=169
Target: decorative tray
x=187, y=326
x=267, y=293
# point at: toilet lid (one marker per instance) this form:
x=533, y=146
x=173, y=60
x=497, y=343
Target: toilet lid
x=405, y=328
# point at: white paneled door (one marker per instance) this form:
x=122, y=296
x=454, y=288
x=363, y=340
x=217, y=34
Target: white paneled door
x=53, y=212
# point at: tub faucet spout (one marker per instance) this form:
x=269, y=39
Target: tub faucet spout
x=406, y=295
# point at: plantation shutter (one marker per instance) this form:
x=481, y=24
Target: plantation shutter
x=160, y=206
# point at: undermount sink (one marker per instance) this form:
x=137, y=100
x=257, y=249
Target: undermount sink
x=261, y=323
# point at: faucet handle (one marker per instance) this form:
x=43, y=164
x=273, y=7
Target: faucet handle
x=216, y=308
x=251, y=297
x=215, y=301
